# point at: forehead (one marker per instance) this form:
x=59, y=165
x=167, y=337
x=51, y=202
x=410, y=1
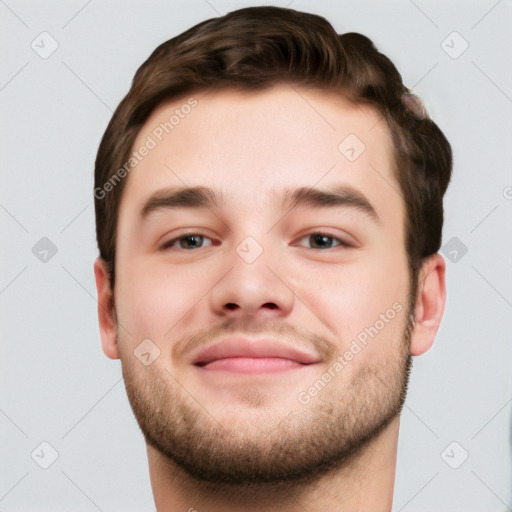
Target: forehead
x=254, y=145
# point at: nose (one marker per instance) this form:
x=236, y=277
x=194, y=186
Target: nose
x=252, y=288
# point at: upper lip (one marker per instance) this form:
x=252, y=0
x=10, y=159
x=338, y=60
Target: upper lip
x=245, y=347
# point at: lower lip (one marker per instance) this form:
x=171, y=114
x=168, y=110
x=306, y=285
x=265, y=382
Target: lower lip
x=252, y=365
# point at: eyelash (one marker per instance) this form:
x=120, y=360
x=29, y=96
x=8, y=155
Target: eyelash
x=168, y=245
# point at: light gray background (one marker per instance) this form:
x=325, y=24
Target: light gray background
x=58, y=387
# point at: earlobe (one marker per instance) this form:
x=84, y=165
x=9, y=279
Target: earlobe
x=106, y=310
x=430, y=303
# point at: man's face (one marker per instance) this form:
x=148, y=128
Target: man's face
x=289, y=291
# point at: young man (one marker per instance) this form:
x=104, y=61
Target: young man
x=269, y=207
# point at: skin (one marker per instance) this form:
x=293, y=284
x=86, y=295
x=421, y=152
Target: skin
x=219, y=441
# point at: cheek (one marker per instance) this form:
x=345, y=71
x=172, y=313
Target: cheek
x=150, y=301
x=350, y=299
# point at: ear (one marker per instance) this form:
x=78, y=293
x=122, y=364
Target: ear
x=106, y=310
x=430, y=302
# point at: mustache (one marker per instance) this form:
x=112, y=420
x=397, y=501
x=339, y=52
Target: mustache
x=299, y=337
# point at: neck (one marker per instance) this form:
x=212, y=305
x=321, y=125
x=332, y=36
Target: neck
x=366, y=485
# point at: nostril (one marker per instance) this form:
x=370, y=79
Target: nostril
x=232, y=306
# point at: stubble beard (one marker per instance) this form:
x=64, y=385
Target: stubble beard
x=303, y=445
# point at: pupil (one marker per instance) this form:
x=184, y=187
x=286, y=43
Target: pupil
x=189, y=240
x=321, y=240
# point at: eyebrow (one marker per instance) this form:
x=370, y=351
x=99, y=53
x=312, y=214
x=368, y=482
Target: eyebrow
x=205, y=197
x=182, y=197
x=336, y=196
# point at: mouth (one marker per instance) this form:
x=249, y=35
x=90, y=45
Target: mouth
x=252, y=364
x=242, y=355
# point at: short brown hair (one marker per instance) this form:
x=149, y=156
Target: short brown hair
x=255, y=48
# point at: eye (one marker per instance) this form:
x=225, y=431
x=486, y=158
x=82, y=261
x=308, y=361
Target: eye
x=188, y=242
x=324, y=241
